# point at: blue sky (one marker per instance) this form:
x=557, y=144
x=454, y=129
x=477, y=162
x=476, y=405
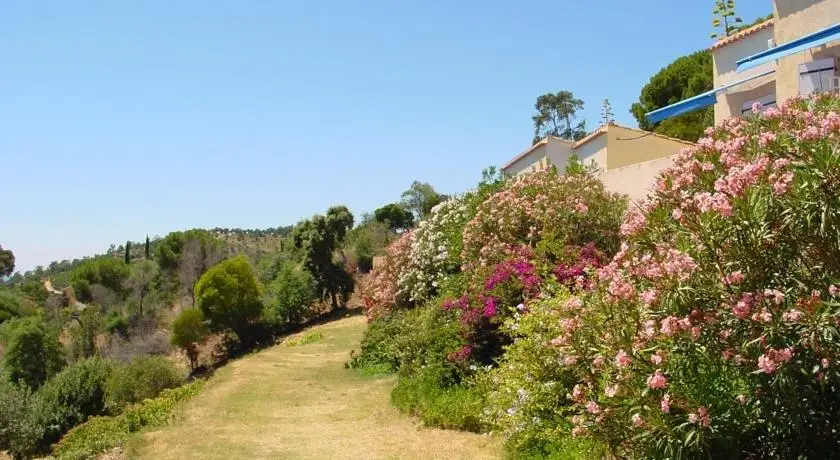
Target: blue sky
x=121, y=119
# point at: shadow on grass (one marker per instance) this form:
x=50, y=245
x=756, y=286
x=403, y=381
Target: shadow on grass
x=232, y=351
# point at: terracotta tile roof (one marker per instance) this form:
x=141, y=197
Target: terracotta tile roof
x=539, y=144
x=739, y=35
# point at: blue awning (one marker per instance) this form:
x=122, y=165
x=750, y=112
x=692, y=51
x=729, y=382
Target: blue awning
x=697, y=102
x=794, y=46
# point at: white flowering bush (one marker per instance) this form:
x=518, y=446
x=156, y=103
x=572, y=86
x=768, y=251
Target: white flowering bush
x=435, y=251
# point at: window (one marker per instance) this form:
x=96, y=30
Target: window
x=766, y=101
x=817, y=76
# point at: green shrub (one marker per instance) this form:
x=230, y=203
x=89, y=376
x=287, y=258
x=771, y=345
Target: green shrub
x=143, y=378
x=19, y=432
x=33, y=353
x=430, y=394
x=102, y=433
x=189, y=330
x=73, y=395
x=229, y=296
x=291, y=294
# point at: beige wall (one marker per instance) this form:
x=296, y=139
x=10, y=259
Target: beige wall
x=629, y=146
x=525, y=163
x=558, y=152
x=794, y=19
x=725, y=72
x=594, y=151
x=635, y=180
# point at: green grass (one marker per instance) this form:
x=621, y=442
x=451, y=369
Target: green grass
x=305, y=339
x=301, y=402
x=99, y=434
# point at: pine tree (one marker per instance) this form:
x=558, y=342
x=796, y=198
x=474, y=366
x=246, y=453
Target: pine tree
x=724, y=17
x=606, y=112
x=128, y=252
x=148, y=253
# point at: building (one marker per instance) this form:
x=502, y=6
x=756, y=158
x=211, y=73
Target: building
x=795, y=53
x=628, y=159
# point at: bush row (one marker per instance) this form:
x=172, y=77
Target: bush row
x=704, y=322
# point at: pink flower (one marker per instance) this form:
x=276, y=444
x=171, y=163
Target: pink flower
x=736, y=277
x=741, y=309
x=657, y=381
x=695, y=332
x=825, y=362
x=611, y=390
x=670, y=326
x=703, y=414
x=649, y=296
x=581, y=208
x=677, y=214
x=775, y=294
x=622, y=360
x=578, y=431
x=792, y=316
x=598, y=361
x=578, y=391
x=650, y=328
x=833, y=290
x=656, y=359
x=638, y=421
x=766, y=364
x=570, y=360
x=574, y=303
x=665, y=403
x=593, y=408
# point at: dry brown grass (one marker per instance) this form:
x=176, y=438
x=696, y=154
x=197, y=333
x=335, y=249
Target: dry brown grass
x=300, y=402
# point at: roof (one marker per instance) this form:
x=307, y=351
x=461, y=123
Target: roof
x=604, y=128
x=741, y=34
x=539, y=144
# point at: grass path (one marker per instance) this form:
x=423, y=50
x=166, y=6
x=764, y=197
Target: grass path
x=300, y=402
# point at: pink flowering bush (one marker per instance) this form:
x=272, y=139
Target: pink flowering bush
x=714, y=330
x=546, y=211
x=381, y=292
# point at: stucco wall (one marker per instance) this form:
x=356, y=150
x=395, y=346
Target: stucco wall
x=594, y=151
x=627, y=146
x=794, y=19
x=527, y=162
x=723, y=62
x=635, y=180
x=558, y=152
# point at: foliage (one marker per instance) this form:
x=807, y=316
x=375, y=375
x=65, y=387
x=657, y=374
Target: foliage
x=380, y=291
x=229, y=296
x=713, y=332
x=290, y=294
x=395, y=216
x=305, y=339
x=365, y=242
x=188, y=331
x=686, y=77
x=141, y=280
x=725, y=18
x=99, y=434
x=318, y=238
x=106, y=271
x=33, y=353
x=83, y=332
x=69, y=398
x=420, y=198
x=143, y=378
x=427, y=394
x=18, y=431
x=184, y=256
x=7, y=262
x=12, y=305
x=555, y=114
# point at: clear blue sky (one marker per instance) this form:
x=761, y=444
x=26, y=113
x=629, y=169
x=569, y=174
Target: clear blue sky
x=119, y=119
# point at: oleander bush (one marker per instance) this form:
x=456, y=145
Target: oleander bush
x=143, y=378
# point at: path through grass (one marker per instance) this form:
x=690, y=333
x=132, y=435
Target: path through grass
x=300, y=402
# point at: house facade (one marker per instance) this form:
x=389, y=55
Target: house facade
x=627, y=159
x=795, y=53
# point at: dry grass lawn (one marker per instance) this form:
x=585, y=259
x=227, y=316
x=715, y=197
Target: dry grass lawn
x=300, y=402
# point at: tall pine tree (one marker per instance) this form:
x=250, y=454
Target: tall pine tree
x=128, y=252
x=148, y=252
